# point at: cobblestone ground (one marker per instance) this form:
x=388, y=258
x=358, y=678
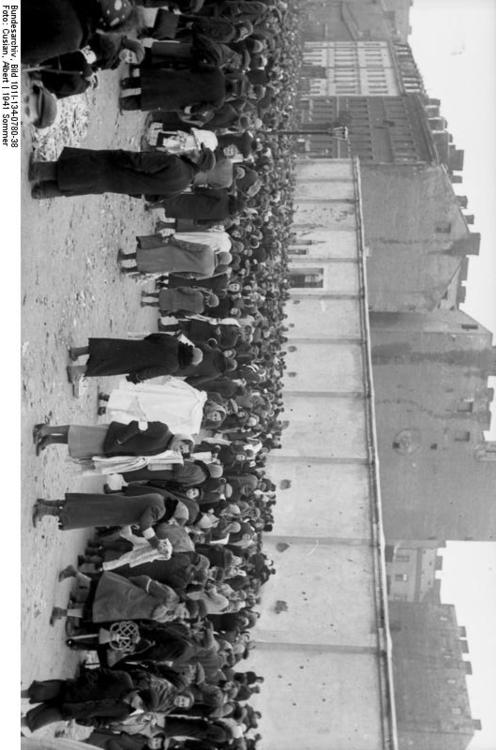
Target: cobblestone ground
x=71, y=289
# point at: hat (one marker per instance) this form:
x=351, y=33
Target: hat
x=206, y=162
x=212, y=300
x=134, y=46
x=224, y=258
x=196, y=356
x=115, y=12
x=46, y=106
x=215, y=470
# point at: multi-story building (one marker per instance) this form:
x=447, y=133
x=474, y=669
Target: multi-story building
x=432, y=402
x=323, y=646
x=376, y=90
x=430, y=677
x=418, y=235
x=411, y=569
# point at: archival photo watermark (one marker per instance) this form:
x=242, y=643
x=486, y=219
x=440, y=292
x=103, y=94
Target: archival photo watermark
x=11, y=83
x=257, y=302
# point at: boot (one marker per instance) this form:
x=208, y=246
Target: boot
x=68, y=572
x=44, y=508
x=57, y=614
x=46, y=190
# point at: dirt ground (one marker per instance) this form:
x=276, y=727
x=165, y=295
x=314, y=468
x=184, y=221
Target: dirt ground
x=71, y=289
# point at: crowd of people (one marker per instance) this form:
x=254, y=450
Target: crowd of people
x=167, y=591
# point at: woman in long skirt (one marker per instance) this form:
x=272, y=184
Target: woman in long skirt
x=140, y=359
x=110, y=440
x=80, y=171
x=97, y=694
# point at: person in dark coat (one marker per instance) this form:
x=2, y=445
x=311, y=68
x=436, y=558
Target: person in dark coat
x=173, y=90
x=71, y=73
x=213, y=364
x=82, y=510
x=98, y=694
x=53, y=27
x=114, y=439
x=225, y=335
x=155, y=355
x=80, y=171
x=109, y=740
x=204, y=205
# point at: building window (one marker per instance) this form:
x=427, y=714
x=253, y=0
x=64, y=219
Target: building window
x=401, y=577
x=456, y=710
x=402, y=558
x=443, y=227
x=307, y=279
x=466, y=405
x=462, y=436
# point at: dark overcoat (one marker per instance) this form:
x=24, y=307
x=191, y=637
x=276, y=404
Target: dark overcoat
x=155, y=355
x=170, y=90
x=202, y=205
x=83, y=171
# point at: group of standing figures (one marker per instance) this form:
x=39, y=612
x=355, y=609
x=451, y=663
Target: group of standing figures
x=166, y=592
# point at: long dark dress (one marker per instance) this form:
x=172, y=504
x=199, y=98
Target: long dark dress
x=94, y=694
x=54, y=27
x=215, y=283
x=155, y=355
x=155, y=254
x=205, y=205
x=83, y=171
x=170, y=90
x=85, y=510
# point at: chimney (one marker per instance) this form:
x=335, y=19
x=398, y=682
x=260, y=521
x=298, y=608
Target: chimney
x=462, y=200
x=455, y=161
x=469, y=218
x=468, y=245
x=477, y=724
x=456, y=178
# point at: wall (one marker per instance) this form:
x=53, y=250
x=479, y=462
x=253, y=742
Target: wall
x=432, y=702
x=432, y=407
x=417, y=235
x=322, y=646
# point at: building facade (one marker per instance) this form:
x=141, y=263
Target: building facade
x=323, y=646
x=432, y=400
x=430, y=673
x=411, y=571
x=376, y=89
x=418, y=236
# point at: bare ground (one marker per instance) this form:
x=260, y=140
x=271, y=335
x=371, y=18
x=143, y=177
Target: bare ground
x=71, y=289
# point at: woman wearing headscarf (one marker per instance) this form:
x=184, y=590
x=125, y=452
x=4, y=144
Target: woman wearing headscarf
x=80, y=171
x=111, y=440
x=113, y=598
x=180, y=301
x=158, y=255
x=96, y=695
x=139, y=359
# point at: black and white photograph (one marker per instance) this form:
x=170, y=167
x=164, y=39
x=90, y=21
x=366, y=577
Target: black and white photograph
x=256, y=250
